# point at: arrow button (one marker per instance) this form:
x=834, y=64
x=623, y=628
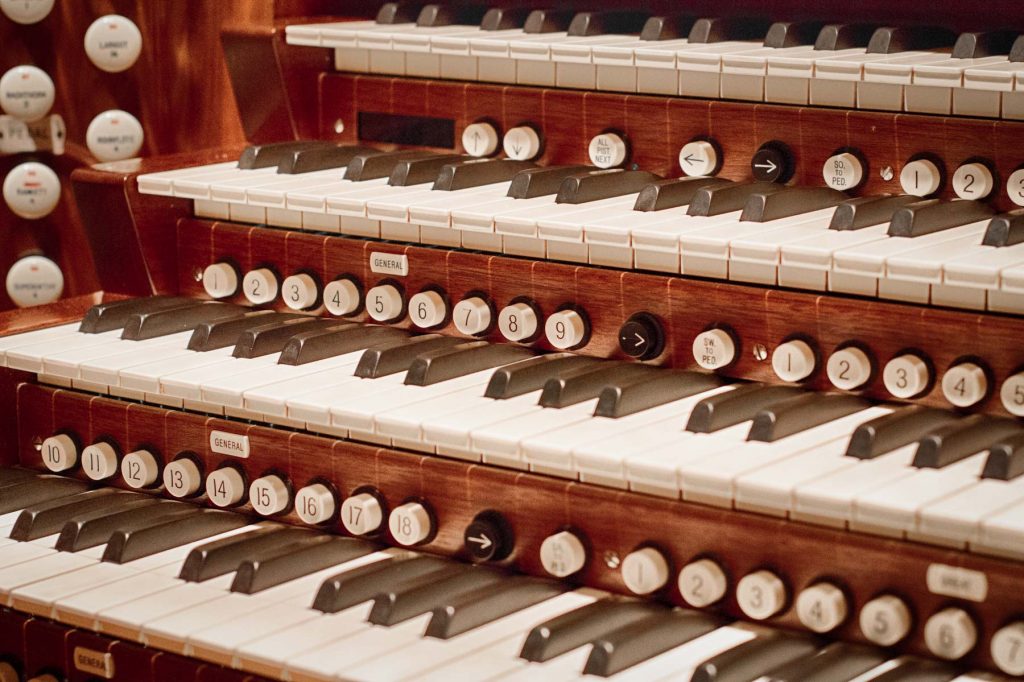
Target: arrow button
x=642, y=337
x=488, y=537
x=772, y=163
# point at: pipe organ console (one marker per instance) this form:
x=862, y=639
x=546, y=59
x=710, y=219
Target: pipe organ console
x=631, y=341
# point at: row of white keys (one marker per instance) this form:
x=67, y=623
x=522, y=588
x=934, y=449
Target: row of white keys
x=19, y=340
x=754, y=256
x=162, y=183
x=911, y=275
x=1002, y=533
x=994, y=90
x=982, y=268
x=72, y=362
x=957, y=519
x=808, y=264
x=618, y=67
x=315, y=407
x=501, y=442
x=229, y=391
x=187, y=384
x=933, y=85
x=654, y=236
x=271, y=399
x=450, y=433
x=789, y=72
x=29, y=357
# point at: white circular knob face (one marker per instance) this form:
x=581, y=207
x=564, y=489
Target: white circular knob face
x=362, y=514
x=480, y=139
x=521, y=143
x=965, y=384
x=702, y=583
x=562, y=554
x=139, y=469
x=973, y=181
x=427, y=309
x=99, y=461
x=26, y=93
x=1012, y=394
x=472, y=316
x=315, y=504
x=225, y=487
x=821, y=607
x=607, y=150
x=698, y=158
x=566, y=329
x=906, y=376
x=410, y=524
x=714, y=349
x=31, y=190
x=1015, y=187
x=793, y=360
x=113, y=43
x=114, y=135
x=849, y=368
x=26, y=11
x=645, y=571
x=950, y=634
x=34, y=280
x=761, y=595
x=341, y=297
x=260, y=286
x=59, y=453
x=182, y=478
x=220, y=280
x=269, y=495
x=300, y=292
x=920, y=178
x=1008, y=648
x=518, y=322
x=384, y=303
x=8, y=673
x=843, y=171
x=885, y=620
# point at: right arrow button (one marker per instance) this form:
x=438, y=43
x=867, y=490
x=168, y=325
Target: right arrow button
x=642, y=337
x=772, y=163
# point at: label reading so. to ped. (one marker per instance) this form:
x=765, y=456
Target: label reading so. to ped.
x=224, y=443
x=389, y=264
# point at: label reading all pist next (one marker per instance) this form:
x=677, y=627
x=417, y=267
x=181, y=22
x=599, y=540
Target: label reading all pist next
x=389, y=263
x=232, y=444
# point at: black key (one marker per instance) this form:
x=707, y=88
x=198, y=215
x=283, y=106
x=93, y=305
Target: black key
x=587, y=382
x=843, y=36
x=790, y=201
x=504, y=18
x=801, y=413
x=129, y=545
x=902, y=427
x=443, y=364
x=838, y=661
x=983, y=44
x=176, y=320
x=489, y=603
x=594, y=186
x=273, y=337
x=375, y=164
x=450, y=15
x=1017, y=51
x=38, y=490
x=645, y=639
x=418, y=171
x=548, y=21
x=1006, y=459
x=295, y=560
x=666, y=28
x=727, y=197
x=213, y=335
x=741, y=404
x=890, y=40
x=223, y=556
x=362, y=584
x=47, y=518
x=398, y=12
x=478, y=172
x=335, y=341
x=398, y=356
x=605, y=23
x=319, y=158
x=397, y=606
x=644, y=391
x=672, y=193
x=718, y=29
x=267, y=155
x=961, y=439
x=531, y=375
x=753, y=659
x=861, y=212
x=934, y=215
x=539, y=182
x=918, y=670
x=564, y=633
x=96, y=528
x=792, y=33
x=13, y=475
x=1006, y=229
x=106, y=317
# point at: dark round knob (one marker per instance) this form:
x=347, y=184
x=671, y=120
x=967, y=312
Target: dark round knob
x=488, y=537
x=642, y=337
x=772, y=163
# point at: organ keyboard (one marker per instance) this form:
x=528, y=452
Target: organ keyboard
x=541, y=344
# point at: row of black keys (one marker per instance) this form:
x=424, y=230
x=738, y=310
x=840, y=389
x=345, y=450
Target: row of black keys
x=876, y=39
x=621, y=388
x=623, y=632
x=908, y=216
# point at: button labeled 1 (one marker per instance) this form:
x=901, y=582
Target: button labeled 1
x=920, y=178
x=113, y=43
x=645, y=571
x=114, y=135
x=220, y=280
x=31, y=190
x=793, y=360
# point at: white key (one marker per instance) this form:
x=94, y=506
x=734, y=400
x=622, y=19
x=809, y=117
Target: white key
x=72, y=363
x=808, y=263
x=272, y=399
x=933, y=84
x=230, y=390
x=755, y=257
x=654, y=471
x=981, y=266
x=162, y=183
x=451, y=431
x=188, y=384
x=145, y=375
x=957, y=519
x=315, y=407
x=501, y=443
x=1002, y=533
x=408, y=421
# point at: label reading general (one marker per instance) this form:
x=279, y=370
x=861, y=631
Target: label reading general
x=224, y=443
x=389, y=264
x=94, y=662
x=961, y=583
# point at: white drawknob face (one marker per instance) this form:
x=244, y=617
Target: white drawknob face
x=1012, y=394
x=342, y=297
x=563, y=554
x=113, y=43
x=410, y=524
x=31, y=190
x=849, y=368
x=965, y=384
x=761, y=594
x=315, y=504
x=140, y=469
x=521, y=143
x=920, y=178
x=973, y=181
x=472, y=316
x=427, y=309
x=59, y=453
x=698, y=158
x=714, y=349
x=220, y=280
x=885, y=620
x=566, y=329
x=702, y=583
x=1007, y=648
x=821, y=607
x=518, y=322
x=260, y=286
x=300, y=292
x=99, y=461
x=26, y=11
x=906, y=376
x=843, y=171
x=608, y=150
x=793, y=360
x=384, y=303
x=645, y=571
x=1015, y=187
x=225, y=487
x=182, y=478
x=114, y=135
x=26, y=93
x=362, y=514
x=950, y=634
x=34, y=280
x=269, y=495
x=480, y=139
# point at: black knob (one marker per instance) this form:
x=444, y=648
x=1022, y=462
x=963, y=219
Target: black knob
x=642, y=337
x=488, y=537
x=772, y=163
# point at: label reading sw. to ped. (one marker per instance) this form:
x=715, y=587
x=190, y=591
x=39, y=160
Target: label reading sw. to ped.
x=224, y=443
x=389, y=264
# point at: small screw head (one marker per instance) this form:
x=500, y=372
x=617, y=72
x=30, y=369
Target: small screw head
x=339, y=126
x=611, y=559
x=197, y=275
x=887, y=173
x=760, y=352
x=37, y=443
